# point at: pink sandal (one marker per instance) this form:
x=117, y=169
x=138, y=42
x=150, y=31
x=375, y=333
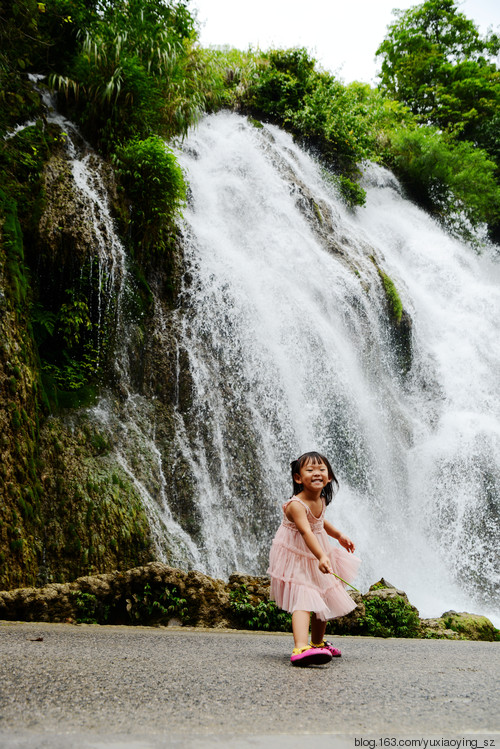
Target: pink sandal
x=335, y=652
x=310, y=656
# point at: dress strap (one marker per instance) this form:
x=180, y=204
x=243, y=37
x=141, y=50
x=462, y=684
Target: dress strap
x=295, y=499
x=308, y=509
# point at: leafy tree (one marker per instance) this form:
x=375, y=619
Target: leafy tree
x=455, y=180
x=136, y=71
x=435, y=61
x=284, y=79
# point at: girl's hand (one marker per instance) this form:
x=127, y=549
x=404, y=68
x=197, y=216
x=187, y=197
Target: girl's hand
x=325, y=565
x=346, y=543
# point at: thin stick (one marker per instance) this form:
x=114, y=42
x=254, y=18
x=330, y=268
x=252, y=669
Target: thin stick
x=345, y=581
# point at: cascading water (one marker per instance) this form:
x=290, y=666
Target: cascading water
x=291, y=348
x=128, y=420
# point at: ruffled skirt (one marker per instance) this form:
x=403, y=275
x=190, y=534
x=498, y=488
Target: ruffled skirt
x=297, y=584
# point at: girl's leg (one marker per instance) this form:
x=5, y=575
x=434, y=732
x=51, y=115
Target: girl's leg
x=300, y=627
x=318, y=627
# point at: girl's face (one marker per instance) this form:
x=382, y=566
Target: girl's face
x=313, y=476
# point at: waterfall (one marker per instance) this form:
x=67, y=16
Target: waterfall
x=290, y=344
x=123, y=412
x=283, y=342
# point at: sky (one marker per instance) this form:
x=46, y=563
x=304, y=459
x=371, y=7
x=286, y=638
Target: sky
x=342, y=35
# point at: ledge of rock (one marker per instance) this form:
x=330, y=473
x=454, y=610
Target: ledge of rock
x=125, y=598
x=157, y=594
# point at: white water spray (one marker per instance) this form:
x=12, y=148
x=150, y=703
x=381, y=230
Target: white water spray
x=290, y=346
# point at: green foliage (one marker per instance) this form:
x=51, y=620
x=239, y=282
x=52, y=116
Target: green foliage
x=73, y=319
x=393, y=298
x=89, y=609
x=153, y=179
x=150, y=606
x=65, y=338
x=433, y=49
x=43, y=322
x=14, y=250
x=71, y=342
x=379, y=586
x=456, y=180
x=352, y=193
x=136, y=71
x=231, y=72
x=389, y=617
x=283, y=81
x=263, y=615
x=67, y=376
x=437, y=63
x=287, y=89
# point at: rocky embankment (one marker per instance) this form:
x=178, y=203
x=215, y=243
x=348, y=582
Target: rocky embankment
x=156, y=594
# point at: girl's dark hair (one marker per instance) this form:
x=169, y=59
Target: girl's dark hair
x=330, y=490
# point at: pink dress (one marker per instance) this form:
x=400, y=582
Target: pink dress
x=297, y=584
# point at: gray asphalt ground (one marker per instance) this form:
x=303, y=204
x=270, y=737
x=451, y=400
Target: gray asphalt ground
x=91, y=687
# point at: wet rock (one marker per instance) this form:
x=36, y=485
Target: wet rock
x=435, y=629
x=382, y=583
x=470, y=626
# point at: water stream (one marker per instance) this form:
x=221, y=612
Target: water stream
x=291, y=348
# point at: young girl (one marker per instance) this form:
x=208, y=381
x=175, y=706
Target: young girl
x=302, y=559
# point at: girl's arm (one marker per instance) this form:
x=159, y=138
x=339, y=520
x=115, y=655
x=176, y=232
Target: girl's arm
x=297, y=513
x=343, y=540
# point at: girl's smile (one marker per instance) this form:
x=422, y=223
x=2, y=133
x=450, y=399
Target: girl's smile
x=313, y=476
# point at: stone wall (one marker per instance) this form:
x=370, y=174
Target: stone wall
x=156, y=594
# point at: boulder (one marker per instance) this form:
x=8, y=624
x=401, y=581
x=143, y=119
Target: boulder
x=435, y=629
x=470, y=626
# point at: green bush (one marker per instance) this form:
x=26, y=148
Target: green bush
x=231, y=72
x=150, y=606
x=89, y=610
x=389, y=617
x=153, y=180
x=283, y=80
x=457, y=181
x=135, y=71
x=352, y=193
x=263, y=615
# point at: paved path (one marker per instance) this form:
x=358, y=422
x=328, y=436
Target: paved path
x=91, y=687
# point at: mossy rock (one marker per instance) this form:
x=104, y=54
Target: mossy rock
x=471, y=626
x=436, y=629
x=382, y=583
